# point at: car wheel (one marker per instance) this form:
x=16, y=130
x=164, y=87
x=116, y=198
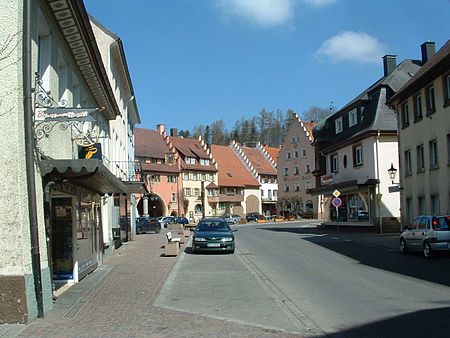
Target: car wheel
x=427, y=250
x=138, y=231
x=158, y=230
x=403, y=247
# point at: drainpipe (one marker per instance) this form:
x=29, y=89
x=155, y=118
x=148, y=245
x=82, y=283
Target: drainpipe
x=30, y=160
x=378, y=186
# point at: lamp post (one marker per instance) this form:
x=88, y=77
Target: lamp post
x=392, y=172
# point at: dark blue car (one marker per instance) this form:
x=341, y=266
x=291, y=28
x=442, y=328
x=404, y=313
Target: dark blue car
x=213, y=234
x=182, y=220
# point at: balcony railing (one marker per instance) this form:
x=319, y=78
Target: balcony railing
x=128, y=171
x=231, y=198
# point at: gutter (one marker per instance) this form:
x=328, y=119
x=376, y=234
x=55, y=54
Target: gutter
x=29, y=158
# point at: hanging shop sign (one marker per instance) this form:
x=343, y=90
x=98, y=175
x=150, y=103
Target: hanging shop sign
x=65, y=114
x=90, y=152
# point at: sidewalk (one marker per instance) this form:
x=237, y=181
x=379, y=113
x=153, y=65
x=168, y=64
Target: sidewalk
x=117, y=301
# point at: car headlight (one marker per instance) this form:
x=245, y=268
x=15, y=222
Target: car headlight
x=227, y=239
x=199, y=239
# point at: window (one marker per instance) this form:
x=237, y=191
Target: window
x=308, y=184
x=187, y=192
x=446, y=87
x=431, y=103
x=174, y=197
x=185, y=176
x=211, y=177
x=171, y=179
x=288, y=155
x=307, y=168
x=433, y=155
x=408, y=166
x=352, y=118
x=262, y=193
x=338, y=125
x=286, y=171
x=435, y=209
x=417, y=107
x=420, y=159
x=155, y=178
x=204, y=161
x=296, y=170
x=295, y=139
x=334, y=163
x=448, y=148
x=275, y=193
x=196, y=192
x=286, y=187
x=297, y=187
x=189, y=160
x=303, y=153
x=269, y=194
x=296, y=154
x=194, y=176
x=203, y=177
x=421, y=205
x=357, y=156
x=405, y=115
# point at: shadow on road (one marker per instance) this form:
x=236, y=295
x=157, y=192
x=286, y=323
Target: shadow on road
x=382, y=257
x=411, y=325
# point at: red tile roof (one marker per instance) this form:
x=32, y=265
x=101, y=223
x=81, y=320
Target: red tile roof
x=273, y=152
x=192, y=148
x=150, y=143
x=232, y=172
x=259, y=162
x=162, y=168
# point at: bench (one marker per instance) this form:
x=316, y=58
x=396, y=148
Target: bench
x=171, y=239
x=172, y=246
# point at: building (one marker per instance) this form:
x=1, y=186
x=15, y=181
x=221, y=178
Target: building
x=354, y=148
x=58, y=162
x=262, y=167
x=423, y=110
x=295, y=169
x=162, y=167
x=198, y=174
x=239, y=190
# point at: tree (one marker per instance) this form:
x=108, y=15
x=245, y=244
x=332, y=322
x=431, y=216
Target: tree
x=184, y=133
x=198, y=131
x=207, y=135
x=219, y=134
x=316, y=114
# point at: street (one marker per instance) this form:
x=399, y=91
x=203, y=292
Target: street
x=285, y=279
x=299, y=279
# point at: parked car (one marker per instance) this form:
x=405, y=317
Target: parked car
x=165, y=220
x=213, y=234
x=428, y=234
x=362, y=215
x=231, y=219
x=182, y=220
x=146, y=224
x=253, y=216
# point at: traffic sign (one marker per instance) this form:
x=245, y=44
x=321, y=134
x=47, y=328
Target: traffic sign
x=337, y=202
x=336, y=193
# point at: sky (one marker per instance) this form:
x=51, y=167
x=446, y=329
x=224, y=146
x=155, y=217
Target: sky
x=196, y=61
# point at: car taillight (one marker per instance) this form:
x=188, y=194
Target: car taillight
x=435, y=223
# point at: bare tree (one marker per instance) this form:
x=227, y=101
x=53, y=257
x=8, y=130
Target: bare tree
x=316, y=114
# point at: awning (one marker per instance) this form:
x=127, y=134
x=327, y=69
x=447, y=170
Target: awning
x=136, y=187
x=342, y=187
x=90, y=174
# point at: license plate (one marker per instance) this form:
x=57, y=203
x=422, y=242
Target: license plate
x=213, y=245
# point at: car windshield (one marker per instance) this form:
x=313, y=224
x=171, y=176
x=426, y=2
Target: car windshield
x=219, y=226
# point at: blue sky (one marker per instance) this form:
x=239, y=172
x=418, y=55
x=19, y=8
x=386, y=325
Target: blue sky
x=196, y=61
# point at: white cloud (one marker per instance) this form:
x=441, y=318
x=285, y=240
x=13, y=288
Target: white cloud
x=319, y=3
x=352, y=46
x=261, y=12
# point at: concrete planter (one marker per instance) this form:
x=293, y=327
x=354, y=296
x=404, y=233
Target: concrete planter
x=171, y=249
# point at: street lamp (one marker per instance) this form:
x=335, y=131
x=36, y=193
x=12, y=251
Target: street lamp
x=392, y=172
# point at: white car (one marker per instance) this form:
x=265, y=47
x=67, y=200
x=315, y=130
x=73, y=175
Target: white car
x=428, y=234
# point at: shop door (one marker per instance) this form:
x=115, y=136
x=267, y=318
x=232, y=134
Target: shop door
x=62, y=239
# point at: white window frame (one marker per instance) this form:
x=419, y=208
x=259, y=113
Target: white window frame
x=334, y=163
x=358, y=155
x=434, y=155
x=338, y=124
x=352, y=118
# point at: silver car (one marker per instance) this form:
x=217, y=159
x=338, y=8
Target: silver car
x=427, y=233
x=232, y=219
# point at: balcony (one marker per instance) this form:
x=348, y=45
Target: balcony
x=231, y=197
x=213, y=199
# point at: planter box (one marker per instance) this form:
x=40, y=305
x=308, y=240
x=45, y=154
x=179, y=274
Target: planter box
x=279, y=219
x=261, y=221
x=171, y=249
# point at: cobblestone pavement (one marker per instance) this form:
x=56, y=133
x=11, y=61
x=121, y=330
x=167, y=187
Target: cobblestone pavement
x=117, y=301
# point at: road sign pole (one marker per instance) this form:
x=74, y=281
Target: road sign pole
x=337, y=219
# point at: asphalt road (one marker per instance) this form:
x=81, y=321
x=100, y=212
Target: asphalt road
x=291, y=277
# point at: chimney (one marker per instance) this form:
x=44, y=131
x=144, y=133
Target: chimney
x=160, y=128
x=389, y=64
x=174, y=132
x=428, y=50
